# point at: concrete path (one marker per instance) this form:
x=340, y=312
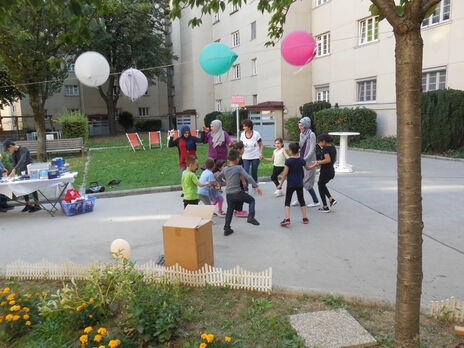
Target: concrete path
x=351, y=251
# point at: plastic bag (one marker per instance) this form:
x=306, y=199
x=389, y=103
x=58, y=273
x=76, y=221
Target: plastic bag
x=71, y=194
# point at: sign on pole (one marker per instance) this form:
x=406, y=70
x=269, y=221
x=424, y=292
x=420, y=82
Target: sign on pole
x=237, y=102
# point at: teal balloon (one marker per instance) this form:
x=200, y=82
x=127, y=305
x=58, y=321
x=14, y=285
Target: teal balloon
x=216, y=58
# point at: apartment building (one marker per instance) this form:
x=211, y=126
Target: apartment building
x=354, y=65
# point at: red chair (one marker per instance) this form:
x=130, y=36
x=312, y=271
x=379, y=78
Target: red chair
x=194, y=132
x=134, y=141
x=154, y=139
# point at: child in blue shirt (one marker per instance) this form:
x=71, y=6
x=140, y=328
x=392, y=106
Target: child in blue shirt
x=206, y=177
x=294, y=174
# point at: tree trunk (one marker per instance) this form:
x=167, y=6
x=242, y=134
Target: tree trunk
x=111, y=102
x=39, y=112
x=409, y=49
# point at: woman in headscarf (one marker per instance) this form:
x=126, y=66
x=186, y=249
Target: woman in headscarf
x=218, y=140
x=308, y=153
x=185, y=143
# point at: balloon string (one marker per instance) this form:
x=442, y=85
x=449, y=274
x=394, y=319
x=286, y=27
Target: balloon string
x=304, y=65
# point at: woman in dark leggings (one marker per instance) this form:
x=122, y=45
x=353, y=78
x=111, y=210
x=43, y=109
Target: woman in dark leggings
x=327, y=173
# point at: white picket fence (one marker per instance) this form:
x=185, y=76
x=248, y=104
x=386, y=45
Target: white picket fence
x=450, y=309
x=235, y=278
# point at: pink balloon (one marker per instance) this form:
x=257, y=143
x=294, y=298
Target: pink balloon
x=298, y=47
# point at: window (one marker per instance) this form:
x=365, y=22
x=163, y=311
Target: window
x=236, y=72
x=441, y=14
x=235, y=8
x=71, y=67
x=254, y=67
x=368, y=30
x=215, y=17
x=322, y=93
x=217, y=79
x=235, y=38
x=323, y=45
x=74, y=111
x=367, y=90
x=320, y=2
x=433, y=79
x=253, y=30
x=255, y=99
x=71, y=90
x=143, y=111
x=218, y=104
x=13, y=108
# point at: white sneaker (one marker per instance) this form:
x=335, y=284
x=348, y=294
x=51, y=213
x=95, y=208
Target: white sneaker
x=313, y=205
x=279, y=193
x=276, y=192
x=295, y=203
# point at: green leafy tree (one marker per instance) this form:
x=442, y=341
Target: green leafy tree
x=126, y=120
x=405, y=16
x=8, y=93
x=36, y=39
x=132, y=34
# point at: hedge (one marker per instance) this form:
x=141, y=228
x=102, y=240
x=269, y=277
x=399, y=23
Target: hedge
x=360, y=120
x=74, y=126
x=309, y=109
x=148, y=125
x=442, y=120
x=211, y=117
x=292, y=130
x=228, y=119
x=126, y=120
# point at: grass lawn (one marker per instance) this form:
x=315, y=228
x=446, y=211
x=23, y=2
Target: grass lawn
x=157, y=167
x=77, y=164
x=250, y=319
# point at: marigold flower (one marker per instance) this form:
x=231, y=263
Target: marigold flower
x=78, y=308
x=28, y=323
x=12, y=302
x=16, y=317
x=71, y=312
x=29, y=295
x=114, y=343
x=203, y=345
x=6, y=290
x=90, y=316
x=88, y=329
x=227, y=339
x=11, y=296
x=210, y=338
x=15, y=308
x=83, y=304
x=91, y=300
x=9, y=317
x=102, y=331
x=1, y=318
x=20, y=300
x=26, y=316
x=84, y=339
x=44, y=294
x=97, y=338
x=102, y=346
x=25, y=309
x=204, y=336
x=3, y=303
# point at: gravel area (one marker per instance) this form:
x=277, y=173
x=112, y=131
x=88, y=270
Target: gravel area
x=331, y=329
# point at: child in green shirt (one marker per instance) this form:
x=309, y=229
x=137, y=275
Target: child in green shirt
x=190, y=182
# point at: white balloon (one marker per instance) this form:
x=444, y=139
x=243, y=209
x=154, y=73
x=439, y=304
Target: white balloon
x=121, y=246
x=92, y=69
x=133, y=83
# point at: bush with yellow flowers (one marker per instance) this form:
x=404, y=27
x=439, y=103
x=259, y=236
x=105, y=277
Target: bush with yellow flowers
x=211, y=341
x=18, y=312
x=98, y=338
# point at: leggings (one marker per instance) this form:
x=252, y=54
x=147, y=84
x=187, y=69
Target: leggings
x=299, y=194
x=275, y=175
x=323, y=190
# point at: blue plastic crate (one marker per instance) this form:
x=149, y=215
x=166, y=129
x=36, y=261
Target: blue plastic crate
x=79, y=207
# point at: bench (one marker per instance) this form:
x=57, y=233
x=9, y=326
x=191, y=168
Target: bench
x=55, y=145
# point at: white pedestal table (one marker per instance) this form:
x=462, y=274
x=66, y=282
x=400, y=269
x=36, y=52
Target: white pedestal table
x=342, y=166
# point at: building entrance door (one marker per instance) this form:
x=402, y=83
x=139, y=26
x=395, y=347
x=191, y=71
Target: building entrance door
x=264, y=123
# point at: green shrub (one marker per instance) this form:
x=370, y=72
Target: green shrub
x=442, y=120
x=211, y=117
x=293, y=132
x=376, y=143
x=229, y=120
x=126, y=120
x=74, y=126
x=360, y=120
x=147, y=125
x=309, y=109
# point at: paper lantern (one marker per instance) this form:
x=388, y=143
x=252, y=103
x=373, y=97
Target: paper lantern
x=92, y=69
x=216, y=58
x=133, y=83
x=298, y=48
x=120, y=247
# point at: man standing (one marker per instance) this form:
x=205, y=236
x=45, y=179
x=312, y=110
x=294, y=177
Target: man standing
x=21, y=158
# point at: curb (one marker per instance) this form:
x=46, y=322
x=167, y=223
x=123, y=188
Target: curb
x=395, y=153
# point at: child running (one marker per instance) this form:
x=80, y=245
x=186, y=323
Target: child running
x=238, y=211
x=190, y=182
x=278, y=157
x=327, y=173
x=215, y=195
x=231, y=174
x=207, y=177
x=294, y=174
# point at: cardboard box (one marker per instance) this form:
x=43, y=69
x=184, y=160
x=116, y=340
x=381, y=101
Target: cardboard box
x=188, y=239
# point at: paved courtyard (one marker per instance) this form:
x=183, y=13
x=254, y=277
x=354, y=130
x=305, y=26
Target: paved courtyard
x=351, y=251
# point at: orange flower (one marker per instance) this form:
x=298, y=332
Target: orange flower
x=28, y=323
x=25, y=316
x=227, y=339
x=102, y=331
x=25, y=309
x=6, y=290
x=29, y=295
x=84, y=304
x=11, y=296
x=90, y=316
x=44, y=294
x=97, y=338
x=71, y=312
x=78, y=308
x=88, y=329
x=16, y=317
x=91, y=300
x=12, y=302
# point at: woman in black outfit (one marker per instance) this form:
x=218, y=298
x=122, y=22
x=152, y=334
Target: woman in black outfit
x=327, y=173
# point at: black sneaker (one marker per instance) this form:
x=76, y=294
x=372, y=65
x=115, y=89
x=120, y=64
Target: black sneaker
x=3, y=210
x=305, y=221
x=324, y=210
x=285, y=222
x=34, y=209
x=228, y=232
x=333, y=202
x=253, y=221
x=26, y=208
